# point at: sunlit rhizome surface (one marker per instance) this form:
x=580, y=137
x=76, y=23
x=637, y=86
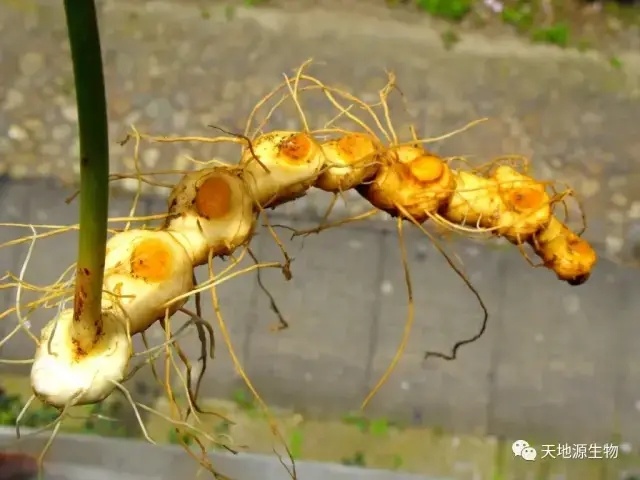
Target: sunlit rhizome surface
x=213, y=211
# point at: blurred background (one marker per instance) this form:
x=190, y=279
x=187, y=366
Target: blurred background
x=560, y=84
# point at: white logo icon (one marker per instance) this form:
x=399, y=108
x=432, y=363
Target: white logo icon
x=522, y=449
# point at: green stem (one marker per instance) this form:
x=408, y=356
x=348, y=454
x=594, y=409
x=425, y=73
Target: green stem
x=84, y=39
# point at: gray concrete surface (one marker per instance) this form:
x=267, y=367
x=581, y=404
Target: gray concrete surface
x=556, y=361
x=79, y=457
